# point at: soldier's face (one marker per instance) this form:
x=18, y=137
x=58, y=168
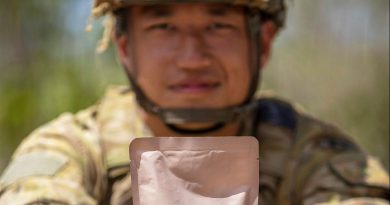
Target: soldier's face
x=188, y=55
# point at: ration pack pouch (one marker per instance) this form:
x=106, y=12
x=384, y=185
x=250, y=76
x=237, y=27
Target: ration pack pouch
x=195, y=170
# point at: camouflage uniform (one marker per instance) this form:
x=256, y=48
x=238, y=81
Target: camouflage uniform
x=83, y=159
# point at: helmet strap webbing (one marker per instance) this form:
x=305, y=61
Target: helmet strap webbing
x=254, y=35
x=198, y=131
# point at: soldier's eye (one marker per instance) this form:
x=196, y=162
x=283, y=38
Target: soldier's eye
x=162, y=26
x=219, y=26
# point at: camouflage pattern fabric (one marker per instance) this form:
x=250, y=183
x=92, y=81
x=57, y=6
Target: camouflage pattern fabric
x=82, y=159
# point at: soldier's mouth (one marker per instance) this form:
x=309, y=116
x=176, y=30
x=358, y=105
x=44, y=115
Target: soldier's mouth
x=194, y=87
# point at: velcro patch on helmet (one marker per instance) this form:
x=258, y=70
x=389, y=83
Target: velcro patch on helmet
x=33, y=164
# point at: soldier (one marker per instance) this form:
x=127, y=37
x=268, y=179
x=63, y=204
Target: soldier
x=193, y=67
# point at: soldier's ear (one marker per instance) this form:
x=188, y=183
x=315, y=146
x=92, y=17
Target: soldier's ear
x=122, y=49
x=268, y=33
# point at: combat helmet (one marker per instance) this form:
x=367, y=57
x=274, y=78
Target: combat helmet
x=257, y=11
x=274, y=9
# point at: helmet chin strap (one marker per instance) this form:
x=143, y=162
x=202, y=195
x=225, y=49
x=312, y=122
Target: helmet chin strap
x=194, y=132
x=217, y=117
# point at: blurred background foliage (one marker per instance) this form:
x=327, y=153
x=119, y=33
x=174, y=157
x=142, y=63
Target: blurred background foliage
x=332, y=59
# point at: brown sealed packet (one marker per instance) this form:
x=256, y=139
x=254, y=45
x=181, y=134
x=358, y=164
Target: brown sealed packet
x=195, y=171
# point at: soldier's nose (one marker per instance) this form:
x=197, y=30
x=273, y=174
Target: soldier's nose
x=193, y=52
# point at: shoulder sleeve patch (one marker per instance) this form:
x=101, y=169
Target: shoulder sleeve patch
x=36, y=163
x=349, y=167
x=360, y=169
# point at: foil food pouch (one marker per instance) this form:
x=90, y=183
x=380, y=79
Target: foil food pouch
x=195, y=171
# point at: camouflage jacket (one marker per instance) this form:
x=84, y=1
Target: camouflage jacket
x=82, y=159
